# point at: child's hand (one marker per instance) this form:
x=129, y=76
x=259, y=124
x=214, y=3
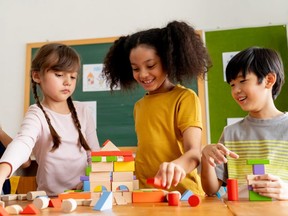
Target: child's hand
x=170, y=174
x=215, y=154
x=274, y=188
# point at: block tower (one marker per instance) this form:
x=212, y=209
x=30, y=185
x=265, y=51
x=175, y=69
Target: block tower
x=113, y=170
x=258, y=167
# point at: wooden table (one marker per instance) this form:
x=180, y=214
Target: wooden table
x=209, y=206
x=245, y=207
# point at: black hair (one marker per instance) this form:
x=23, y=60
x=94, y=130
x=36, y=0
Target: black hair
x=180, y=48
x=261, y=62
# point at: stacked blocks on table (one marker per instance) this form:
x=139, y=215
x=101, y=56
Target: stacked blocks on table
x=258, y=167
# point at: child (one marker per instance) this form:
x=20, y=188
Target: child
x=168, y=118
x=57, y=130
x=256, y=77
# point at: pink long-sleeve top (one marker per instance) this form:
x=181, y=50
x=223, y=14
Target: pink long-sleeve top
x=61, y=169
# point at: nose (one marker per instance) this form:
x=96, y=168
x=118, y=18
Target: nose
x=236, y=89
x=67, y=81
x=143, y=73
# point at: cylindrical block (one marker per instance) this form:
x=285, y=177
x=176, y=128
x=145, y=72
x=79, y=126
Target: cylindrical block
x=232, y=189
x=31, y=195
x=173, y=198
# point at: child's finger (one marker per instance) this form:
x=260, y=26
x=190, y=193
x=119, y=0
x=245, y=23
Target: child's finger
x=233, y=155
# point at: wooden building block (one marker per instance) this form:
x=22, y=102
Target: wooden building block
x=232, y=189
x=185, y=196
x=94, y=198
x=136, y=184
x=122, y=176
x=127, y=195
x=258, y=169
x=119, y=199
x=109, y=146
x=13, y=209
x=154, y=182
x=68, y=205
x=105, y=202
x=86, y=186
x=99, y=186
x=148, y=196
x=31, y=195
x=128, y=186
x=173, y=198
x=3, y=212
x=112, y=153
x=124, y=166
x=194, y=200
x=21, y=196
x=41, y=202
x=253, y=196
x=100, y=176
x=74, y=195
x=9, y=197
x=30, y=209
x=102, y=167
x=257, y=161
x=55, y=203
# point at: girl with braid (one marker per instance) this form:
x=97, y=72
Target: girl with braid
x=168, y=118
x=58, y=131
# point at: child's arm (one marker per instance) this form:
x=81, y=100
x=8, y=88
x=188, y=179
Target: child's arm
x=171, y=173
x=6, y=139
x=212, y=154
x=274, y=187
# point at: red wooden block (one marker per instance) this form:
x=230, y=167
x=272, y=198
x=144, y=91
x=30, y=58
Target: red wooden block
x=232, y=189
x=30, y=209
x=112, y=153
x=194, y=200
x=148, y=196
x=155, y=182
x=173, y=199
x=55, y=202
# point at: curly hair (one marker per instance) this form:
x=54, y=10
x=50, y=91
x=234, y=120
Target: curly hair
x=180, y=48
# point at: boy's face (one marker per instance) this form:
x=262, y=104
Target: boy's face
x=251, y=96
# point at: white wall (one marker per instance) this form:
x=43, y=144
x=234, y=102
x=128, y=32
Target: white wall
x=29, y=21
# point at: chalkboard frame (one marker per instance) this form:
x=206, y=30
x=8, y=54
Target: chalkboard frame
x=27, y=101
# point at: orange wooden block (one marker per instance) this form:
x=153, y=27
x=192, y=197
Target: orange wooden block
x=3, y=212
x=30, y=209
x=75, y=195
x=148, y=196
x=55, y=202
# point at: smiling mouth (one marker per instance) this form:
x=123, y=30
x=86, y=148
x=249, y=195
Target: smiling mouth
x=147, y=81
x=241, y=99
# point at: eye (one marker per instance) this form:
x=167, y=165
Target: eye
x=151, y=66
x=135, y=69
x=243, y=81
x=58, y=74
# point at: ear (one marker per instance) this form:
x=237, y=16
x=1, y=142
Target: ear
x=270, y=80
x=36, y=76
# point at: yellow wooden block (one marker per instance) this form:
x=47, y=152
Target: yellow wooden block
x=124, y=166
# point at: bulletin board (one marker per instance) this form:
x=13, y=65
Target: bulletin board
x=221, y=103
x=114, y=111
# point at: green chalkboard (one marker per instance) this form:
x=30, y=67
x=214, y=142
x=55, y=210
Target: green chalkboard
x=114, y=111
x=221, y=103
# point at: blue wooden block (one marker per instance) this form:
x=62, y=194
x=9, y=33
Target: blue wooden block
x=185, y=196
x=105, y=201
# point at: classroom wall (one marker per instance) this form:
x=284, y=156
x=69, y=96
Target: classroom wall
x=29, y=21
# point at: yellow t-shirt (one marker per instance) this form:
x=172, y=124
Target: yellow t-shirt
x=160, y=120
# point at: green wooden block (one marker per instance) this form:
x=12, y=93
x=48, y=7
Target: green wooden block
x=257, y=161
x=96, y=158
x=111, y=158
x=87, y=170
x=253, y=196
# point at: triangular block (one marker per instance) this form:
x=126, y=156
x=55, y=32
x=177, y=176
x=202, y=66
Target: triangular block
x=105, y=202
x=55, y=203
x=30, y=209
x=109, y=146
x=185, y=196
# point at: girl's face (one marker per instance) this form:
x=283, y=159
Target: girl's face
x=56, y=86
x=251, y=96
x=147, y=69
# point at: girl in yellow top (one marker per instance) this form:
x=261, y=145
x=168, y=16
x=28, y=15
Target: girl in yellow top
x=168, y=118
